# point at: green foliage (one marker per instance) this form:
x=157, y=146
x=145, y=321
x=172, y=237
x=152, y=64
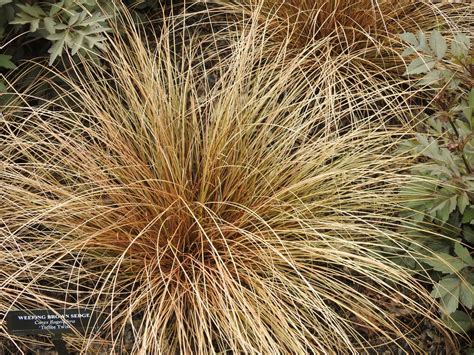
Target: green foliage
x=77, y=26
x=5, y=62
x=441, y=196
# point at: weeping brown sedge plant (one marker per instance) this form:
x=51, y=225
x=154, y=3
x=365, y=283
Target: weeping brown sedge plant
x=361, y=38
x=206, y=222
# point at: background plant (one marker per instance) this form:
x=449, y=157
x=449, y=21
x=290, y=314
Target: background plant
x=74, y=25
x=444, y=184
x=35, y=30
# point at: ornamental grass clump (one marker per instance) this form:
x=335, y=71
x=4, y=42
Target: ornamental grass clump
x=205, y=221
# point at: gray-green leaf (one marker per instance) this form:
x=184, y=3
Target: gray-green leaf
x=422, y=46
x=55, y=8
x=445, y=203
x=448, y=290
x=460, y=46
x=463, y=201
x=468, y=234
x=470, y=113
x=421, y=65
x=463, y=253
x=49, y=25
x=32, y=10
x=445, y=263
x=408, y=51
x=56, y=49
x=438, y=44
x=459, y=322
x=431, y=78
x=34, y=25
x=468, y=215
x=5, y=62
x=410, y=38
x=466, y=294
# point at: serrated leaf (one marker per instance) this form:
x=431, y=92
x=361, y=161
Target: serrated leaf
x=34, y=25
x=82, y=17
x=459, y=322
x=433, y=169
x=468, y=215
x=444, y=204
x=410, y=38
x=56, y=49
x=463, y=253
x=460, y=46
x=94, y=41
x=33, y=10
x=470, y=103
x=408, y=51
x=463, y=201
x=90, y=31
x=56, y=36
x=463, y=127
x=468, y=233
x=445, y=263
x=438, y=44
x=429, y=147
x=448, y=74
x=90, y=3
x=49, y=25
x=73, y=19
x=21, y=19
x=469, y=181
x=450, y=300
x=436, y=124
x=468, y=112
x=431, y=78
x=5, y=62
x=55, y=8
x=445, y=286
x=466, y=294
x=61, y=26
x=95, y=19
x=406, y=146
x=455, y=84
x=422, y=44
x=420, y=65
x=77, y=43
